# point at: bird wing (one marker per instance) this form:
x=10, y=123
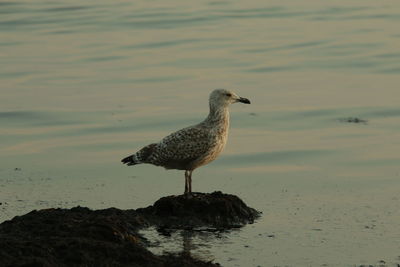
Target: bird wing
x=184, y=145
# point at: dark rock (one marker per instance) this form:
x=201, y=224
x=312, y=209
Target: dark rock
x=200, y=210
x=353, y=120
x=74, y=237
x=83, y=237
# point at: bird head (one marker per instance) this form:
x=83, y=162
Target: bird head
x=223, y=97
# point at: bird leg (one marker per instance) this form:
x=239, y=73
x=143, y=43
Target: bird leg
x=186, y=182
x=190, y=181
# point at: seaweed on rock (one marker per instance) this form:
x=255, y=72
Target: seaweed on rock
x=109, y=237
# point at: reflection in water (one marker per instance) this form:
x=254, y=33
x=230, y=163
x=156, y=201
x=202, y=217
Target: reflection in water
x=194, y=243
x=187, y=245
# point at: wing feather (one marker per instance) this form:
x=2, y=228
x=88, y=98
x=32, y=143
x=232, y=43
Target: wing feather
x=183, y=146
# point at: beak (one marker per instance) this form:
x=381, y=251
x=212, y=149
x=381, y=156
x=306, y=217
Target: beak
x=243, y=100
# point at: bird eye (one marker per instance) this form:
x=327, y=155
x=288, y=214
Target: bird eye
x=228, y=94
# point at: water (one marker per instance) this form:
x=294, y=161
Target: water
x=83, y=85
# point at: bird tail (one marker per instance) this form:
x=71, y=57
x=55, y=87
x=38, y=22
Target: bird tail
x=141, y=156
x=131, y=160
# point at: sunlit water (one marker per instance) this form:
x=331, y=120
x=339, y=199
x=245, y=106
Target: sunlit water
x=85, y=84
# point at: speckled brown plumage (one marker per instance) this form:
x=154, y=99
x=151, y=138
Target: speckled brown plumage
x=194, y=146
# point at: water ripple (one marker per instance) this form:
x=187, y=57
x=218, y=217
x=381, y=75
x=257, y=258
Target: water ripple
x=271, y=157
x=273, y=69
x=152, y=45
x=286, y=47
x=66, y=8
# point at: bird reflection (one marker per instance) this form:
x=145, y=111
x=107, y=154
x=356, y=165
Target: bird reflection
x=195, y=244
x=187, y=243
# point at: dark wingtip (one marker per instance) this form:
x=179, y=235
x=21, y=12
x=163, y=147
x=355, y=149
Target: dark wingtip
x=126, y=160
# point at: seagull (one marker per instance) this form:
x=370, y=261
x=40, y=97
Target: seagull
x=193, y=146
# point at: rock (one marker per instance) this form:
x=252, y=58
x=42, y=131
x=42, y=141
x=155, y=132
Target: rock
x=353, y=120
x=201, y=210
x=109, y=237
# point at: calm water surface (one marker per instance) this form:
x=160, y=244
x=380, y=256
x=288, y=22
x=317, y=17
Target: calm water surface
x=84, y=84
